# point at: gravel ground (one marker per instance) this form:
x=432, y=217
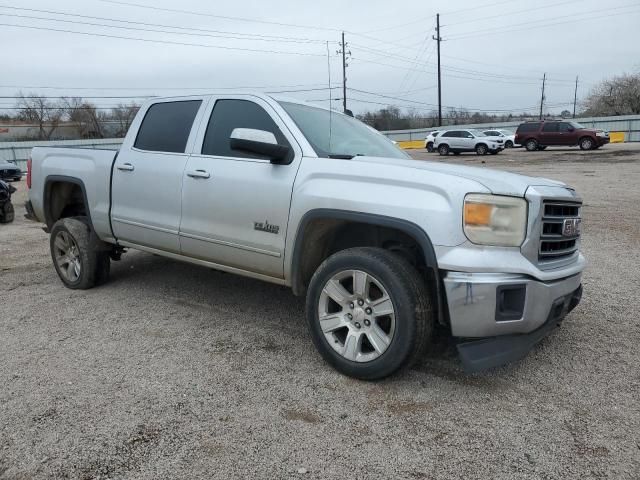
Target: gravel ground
x=176, y=371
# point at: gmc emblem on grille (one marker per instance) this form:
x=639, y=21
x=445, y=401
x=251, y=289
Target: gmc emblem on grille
x=571, y=227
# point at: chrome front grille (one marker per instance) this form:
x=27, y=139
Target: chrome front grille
x=560, y=230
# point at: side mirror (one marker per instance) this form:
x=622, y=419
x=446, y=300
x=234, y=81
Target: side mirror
x=260, y=142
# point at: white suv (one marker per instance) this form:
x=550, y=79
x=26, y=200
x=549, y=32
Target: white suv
x=508, y=137
x=458, y=141
x=430, y=140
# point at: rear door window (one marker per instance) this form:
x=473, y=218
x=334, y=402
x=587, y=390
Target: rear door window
x=550, y=127
x=166, y=126
x=451, y=133
x=529, y=127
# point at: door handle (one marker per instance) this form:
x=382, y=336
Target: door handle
x=127, y=167
x=198, y=174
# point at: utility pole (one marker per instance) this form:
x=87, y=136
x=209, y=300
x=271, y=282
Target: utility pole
x=575, y=98
x=544, y=79
x=343, y=51
x=438, y=38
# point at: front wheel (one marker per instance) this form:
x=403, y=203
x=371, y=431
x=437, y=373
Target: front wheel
x=76, y=260
x=443, y=150
x=429, y=147
x=586, y=143
x=481, y=149
x=369, y=312
x=508, y=144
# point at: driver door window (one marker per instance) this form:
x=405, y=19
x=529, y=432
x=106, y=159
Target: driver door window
x=231, y=114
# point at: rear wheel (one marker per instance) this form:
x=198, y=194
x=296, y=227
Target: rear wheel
x=586, y=143
x=369, y=312
x=443, y=149
x=76, y=260
x=7, y=213
x=481, y=149
x=531, y=145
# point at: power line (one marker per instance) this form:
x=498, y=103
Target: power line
x=166, y=42
x=249, y=36
x=224, y=17
x=152, y=30
x=541, y=23
x=517, y=12
x=208, y=88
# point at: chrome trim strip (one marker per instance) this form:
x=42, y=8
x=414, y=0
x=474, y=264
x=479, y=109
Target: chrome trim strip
x=230, y=244
x=204, y=263
x=144, y=225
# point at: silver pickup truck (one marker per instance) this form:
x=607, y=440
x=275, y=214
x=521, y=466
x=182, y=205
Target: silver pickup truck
x=386, y=249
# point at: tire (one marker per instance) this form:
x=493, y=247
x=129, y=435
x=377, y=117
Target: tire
x=7, y=213
x=586, y=143
x=508, y=144
x=429, y=147
x=531, y=145
x=401, y=336
x=443, y=149
x=78, y=263
x=481, y=149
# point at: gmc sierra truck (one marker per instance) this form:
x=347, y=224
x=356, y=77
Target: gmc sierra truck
x=386, y=249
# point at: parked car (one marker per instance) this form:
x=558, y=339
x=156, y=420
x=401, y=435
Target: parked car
x=508, y=137
x=10, y=171
x=429, y=141
x=567, y=133
x=458, y=141
x=7, y=213
x=385, y=248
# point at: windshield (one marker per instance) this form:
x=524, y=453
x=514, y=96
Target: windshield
x=349, y=137
x=506, y=132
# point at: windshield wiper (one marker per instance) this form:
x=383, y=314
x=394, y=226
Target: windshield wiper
x=342, y=156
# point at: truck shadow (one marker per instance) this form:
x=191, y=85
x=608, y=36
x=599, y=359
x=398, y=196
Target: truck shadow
x=261, y=305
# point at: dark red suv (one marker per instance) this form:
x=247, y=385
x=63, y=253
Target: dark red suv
x=566, y=133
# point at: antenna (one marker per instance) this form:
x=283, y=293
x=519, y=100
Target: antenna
x=330, y=100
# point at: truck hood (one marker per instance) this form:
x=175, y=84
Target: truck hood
x=497, y=181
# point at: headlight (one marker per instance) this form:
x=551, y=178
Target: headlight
x=495, y=220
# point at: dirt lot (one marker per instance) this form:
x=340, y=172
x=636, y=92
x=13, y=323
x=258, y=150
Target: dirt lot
x=175, y=371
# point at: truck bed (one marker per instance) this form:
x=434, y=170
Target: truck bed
x=88, y=168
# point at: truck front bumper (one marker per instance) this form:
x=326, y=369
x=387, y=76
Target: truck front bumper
x=499, y=317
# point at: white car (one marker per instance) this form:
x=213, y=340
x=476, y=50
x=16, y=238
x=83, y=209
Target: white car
x=508, y=137
x=468, y=140
x=430, y=140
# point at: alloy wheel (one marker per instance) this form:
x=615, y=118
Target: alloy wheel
x=67, y=256
x=356, y=315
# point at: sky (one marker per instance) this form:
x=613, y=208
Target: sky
x=493, y=53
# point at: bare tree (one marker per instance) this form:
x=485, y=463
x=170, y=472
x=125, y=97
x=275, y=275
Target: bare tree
x=123, y=115
x=87, y=119
x=619, y=95
x=40, y=111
